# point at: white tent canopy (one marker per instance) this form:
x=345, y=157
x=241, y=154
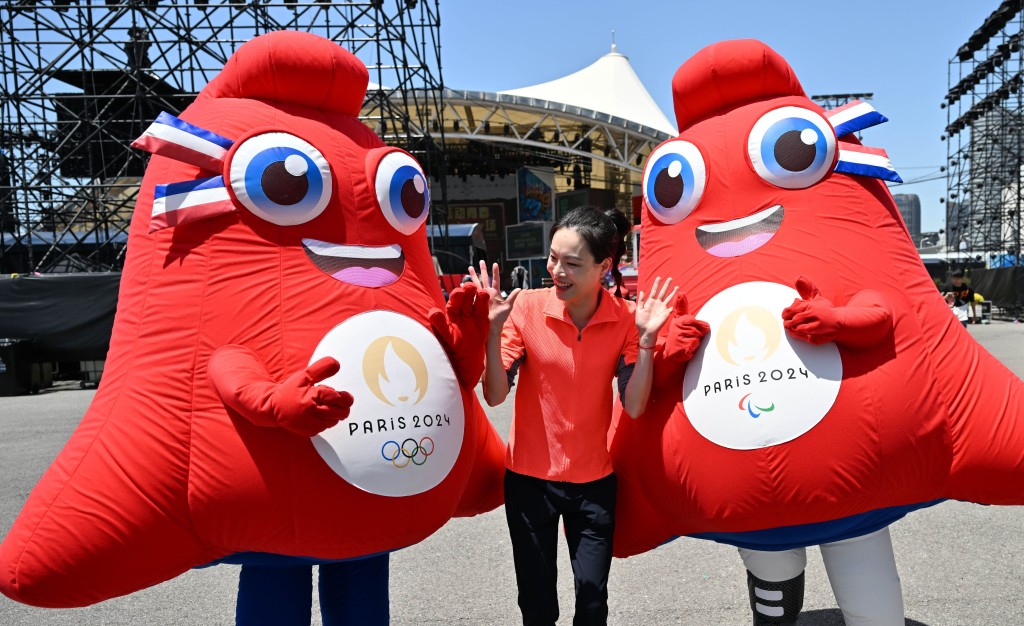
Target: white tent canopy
x=608, y=85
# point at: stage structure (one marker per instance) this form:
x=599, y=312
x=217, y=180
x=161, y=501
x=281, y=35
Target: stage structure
x=591, y=129
x=83, y=78
x=985, y=141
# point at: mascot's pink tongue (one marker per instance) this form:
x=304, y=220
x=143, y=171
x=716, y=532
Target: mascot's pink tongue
x=366, y=276
x=736, y=248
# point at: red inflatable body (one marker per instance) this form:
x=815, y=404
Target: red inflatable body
x=283, y=233
x=835, y=391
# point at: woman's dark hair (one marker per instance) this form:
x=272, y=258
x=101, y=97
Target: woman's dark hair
x=604, y=233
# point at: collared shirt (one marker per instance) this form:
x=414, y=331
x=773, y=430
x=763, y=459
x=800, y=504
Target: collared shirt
x=563, y=406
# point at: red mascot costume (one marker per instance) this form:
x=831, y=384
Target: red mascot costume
x=278, y=281
x=835, y=392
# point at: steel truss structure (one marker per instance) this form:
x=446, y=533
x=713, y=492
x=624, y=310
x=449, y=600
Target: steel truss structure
x=985, y=140
x=83, y=78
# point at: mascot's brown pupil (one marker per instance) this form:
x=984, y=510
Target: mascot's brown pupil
x=412, y=200
x=668, y=189
x=792, y=153
x=281, y=187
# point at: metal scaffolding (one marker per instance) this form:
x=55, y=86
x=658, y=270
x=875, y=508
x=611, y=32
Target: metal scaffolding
x=83, y=78
x=985, y=140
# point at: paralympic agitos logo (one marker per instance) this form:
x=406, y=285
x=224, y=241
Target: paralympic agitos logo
x=748, y=405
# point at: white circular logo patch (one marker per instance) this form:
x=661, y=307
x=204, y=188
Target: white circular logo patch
x=751, y=385
x=405, y=429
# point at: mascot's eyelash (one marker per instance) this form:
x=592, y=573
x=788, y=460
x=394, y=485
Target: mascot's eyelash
x=854, y=158
x=186, y=201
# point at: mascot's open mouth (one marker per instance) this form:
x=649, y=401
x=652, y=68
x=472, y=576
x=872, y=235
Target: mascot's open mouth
x=738, y=237
x=363, y=266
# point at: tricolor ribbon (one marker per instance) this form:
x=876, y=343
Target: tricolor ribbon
x=853, y=116
x=188, y=201
x=865, y=161
x=177, y=139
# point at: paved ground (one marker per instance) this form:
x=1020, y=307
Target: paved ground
x=960, y=563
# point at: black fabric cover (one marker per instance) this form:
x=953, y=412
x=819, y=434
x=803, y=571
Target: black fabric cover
x=1004, y=286
x=68, y=317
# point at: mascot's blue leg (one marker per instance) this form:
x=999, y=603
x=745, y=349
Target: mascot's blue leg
x=274, y=595
x=355, y=593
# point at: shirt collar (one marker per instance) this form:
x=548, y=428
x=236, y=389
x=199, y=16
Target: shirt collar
x=553, y=307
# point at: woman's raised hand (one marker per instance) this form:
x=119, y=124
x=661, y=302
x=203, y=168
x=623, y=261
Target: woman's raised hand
x=499, y=308
x=653, y=312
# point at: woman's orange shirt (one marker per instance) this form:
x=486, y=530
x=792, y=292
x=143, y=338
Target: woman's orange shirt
x=563, y=406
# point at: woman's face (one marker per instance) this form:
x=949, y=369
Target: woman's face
x=576, y=275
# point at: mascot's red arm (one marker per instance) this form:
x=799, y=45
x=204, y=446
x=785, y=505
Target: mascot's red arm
x=298, y=404
x=864, y=322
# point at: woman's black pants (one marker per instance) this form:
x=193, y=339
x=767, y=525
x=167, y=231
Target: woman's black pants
x=532, y=507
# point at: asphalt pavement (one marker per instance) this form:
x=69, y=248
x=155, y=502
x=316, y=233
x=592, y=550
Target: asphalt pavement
x=960, y=564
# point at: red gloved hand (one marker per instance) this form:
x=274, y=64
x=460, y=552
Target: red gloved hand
x=298, y=404
x=684, y=333
x=811, y=317
x=302, y=406
x=678, y=346
x=463, y=329
x=864, y=322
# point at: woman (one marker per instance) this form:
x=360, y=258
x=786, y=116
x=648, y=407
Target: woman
x=566, y=343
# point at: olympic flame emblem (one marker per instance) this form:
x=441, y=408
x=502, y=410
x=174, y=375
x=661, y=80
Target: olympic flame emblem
x=749, y=335
x=395, y=371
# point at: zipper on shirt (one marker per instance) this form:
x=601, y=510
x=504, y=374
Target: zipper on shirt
x=569, y=453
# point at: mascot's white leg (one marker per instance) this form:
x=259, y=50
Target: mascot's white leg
x=864, y=579
x=775, y=581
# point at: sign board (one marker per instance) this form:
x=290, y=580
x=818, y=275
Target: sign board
x=536, y=193
x=527, y=240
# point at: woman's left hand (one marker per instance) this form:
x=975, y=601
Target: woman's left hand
x=653, y=312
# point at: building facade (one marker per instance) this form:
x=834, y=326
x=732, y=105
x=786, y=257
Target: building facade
x=909, y=205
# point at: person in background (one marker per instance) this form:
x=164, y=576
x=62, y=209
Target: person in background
x=960, y=296
x=566, y=343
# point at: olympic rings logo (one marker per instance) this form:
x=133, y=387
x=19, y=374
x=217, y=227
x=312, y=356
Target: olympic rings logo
x=409, y=452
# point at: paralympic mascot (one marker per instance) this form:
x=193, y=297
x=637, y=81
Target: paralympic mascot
x=822, y=389
x=285, y=383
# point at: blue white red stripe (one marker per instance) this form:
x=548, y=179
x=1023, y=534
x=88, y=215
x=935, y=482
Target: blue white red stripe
x=864, y=161
x=853, y=116
x=180, y=203
x=177, y=139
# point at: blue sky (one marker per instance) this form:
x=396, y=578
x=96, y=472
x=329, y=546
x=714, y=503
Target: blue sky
x=899, y=50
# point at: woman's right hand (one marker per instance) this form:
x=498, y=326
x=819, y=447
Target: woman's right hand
x=499, y=308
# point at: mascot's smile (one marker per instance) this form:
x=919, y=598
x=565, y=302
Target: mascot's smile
x=362, y=266
x=738, y=237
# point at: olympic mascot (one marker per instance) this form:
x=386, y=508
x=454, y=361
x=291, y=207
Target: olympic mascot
x=283, y=377
x=833, y=391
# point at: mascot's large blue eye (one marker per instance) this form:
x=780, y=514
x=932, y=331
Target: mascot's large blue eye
x=280, y=178
x=402, y=191
x=792, y=148
x=674, y=180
